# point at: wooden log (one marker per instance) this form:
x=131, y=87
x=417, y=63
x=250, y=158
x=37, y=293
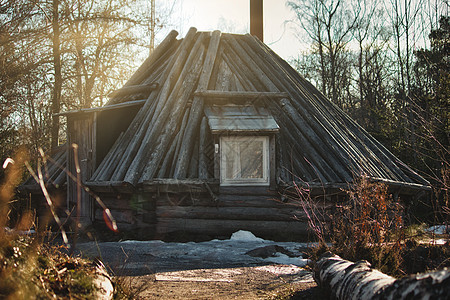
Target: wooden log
x=172, y=81
x=305, y=110
x=134, y=89
x=115, y=163
x=164, y=105
x=312, y=144
x=189, y=78
x=344, y=120
x=106, y=160
x=187, y=144
x=170, y=156
x=205, y=200
x=144, y=68
x=240, y=95
x=178, y=143
x=227, y=227
x=120, y=216
x=271, y=77
x=116, y=187
x=138, y=131
x=329, y=107
x=196, y=114
x=348, y=280
x=147, y=66
x=193, y=164
x=231, y=213
x=102, y=108
x=240, y=67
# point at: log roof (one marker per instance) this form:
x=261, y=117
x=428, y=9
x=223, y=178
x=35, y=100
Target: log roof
x=170, y=136
x=185, y=81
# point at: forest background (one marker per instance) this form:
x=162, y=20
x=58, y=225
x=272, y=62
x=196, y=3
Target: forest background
x=386, y=63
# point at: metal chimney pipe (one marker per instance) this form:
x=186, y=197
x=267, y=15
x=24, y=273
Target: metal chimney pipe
x=256, y=18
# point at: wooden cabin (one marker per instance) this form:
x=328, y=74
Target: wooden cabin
x=211, y=135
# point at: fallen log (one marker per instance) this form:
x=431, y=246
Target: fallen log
x=344, y=279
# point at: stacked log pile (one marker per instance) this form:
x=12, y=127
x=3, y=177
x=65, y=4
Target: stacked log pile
x=348, y=280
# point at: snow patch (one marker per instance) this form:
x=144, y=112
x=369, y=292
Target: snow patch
x=281, y=269
x=438, y=229
x=439, y=241
x=200, y=275
x=283, y=259
x=299, y=275
x=245, y=236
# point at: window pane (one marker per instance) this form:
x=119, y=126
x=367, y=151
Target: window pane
x=231, y=151
x=251, y=159
x=244, y=160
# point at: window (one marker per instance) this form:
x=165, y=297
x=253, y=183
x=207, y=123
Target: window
x=244, y=160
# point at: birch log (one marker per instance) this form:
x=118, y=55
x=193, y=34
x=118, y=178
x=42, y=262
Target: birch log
x=347, y=280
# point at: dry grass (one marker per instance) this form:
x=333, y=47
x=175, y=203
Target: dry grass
x=29, y=268
x=370, y=225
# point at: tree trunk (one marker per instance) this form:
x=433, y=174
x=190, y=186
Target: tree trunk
x=347, y=280
x=56, y=101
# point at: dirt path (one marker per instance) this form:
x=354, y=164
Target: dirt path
x=217, y=269
x=263, y=282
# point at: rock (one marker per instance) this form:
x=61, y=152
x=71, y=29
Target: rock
x=269, y=251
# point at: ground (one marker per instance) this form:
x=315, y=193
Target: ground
x=242, y=267
x=232, y=283
x=217, y=269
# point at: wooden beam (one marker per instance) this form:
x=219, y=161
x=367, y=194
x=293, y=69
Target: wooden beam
x=239, y=95
x=103, y=108
x=134, y=89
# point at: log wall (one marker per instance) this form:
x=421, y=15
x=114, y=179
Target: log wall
x=198, y=213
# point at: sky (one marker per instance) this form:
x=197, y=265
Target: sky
x=234, y=16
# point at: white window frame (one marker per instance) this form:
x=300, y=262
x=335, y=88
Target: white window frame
x=264, y=181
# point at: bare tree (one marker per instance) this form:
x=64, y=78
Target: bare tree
x=56, y=99
x=328, y=25
x=64, y=54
